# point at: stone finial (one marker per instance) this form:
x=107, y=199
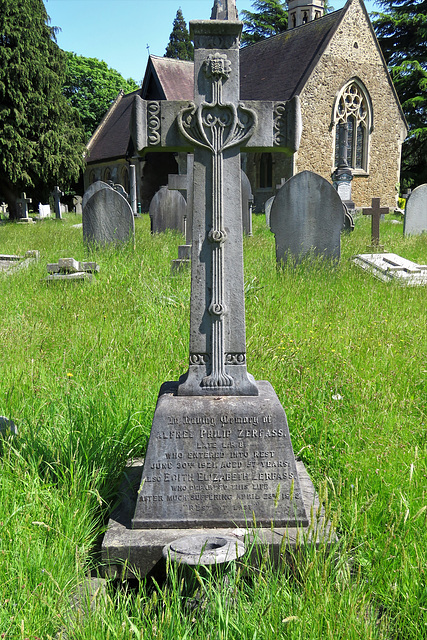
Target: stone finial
x=224, y=10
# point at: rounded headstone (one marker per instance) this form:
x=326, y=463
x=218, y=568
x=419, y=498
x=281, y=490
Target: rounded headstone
x=416, y=212
x=167, y=211
x=307, y=217
x=107, y=218
x=96, y=186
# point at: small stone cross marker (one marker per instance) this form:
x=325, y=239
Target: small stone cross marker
x=56, y=195
x=23, y=203
x=376, y=212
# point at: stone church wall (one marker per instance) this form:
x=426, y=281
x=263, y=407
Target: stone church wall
x=353, y=53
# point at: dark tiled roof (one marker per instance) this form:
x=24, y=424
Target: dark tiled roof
x=277, y=68
x=112, y=138
x=176, y=77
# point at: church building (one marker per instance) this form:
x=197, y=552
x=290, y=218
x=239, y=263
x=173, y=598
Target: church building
x=333, y=62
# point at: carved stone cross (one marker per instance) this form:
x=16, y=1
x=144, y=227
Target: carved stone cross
x=216, y=126
x=376, y=212
x=56, y=195
x=22, y=204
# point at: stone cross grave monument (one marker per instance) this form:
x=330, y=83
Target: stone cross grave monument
x=219, y=452
x=56, y=195
x=376, y=211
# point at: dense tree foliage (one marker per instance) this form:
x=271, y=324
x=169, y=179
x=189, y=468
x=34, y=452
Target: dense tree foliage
x=41, y=141
x=180, y=45
x=269, y=18
x=402, y=33
x=91, y=86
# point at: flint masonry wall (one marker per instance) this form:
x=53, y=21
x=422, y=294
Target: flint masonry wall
x=353, y=53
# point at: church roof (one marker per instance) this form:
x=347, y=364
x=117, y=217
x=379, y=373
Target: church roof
x=112, y=137
x=172, y=78
x=277, y=68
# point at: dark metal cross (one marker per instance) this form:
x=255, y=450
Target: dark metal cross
x=376, y=212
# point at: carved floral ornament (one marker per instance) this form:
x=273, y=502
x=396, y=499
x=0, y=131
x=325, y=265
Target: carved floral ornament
x=217, y=65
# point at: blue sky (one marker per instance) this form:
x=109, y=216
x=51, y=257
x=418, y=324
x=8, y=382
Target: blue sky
x=118, y=31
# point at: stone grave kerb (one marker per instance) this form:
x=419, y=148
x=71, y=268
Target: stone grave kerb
x=375, y=211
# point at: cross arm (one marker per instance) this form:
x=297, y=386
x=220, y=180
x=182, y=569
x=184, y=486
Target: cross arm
x=279, y=126
x=154, y=125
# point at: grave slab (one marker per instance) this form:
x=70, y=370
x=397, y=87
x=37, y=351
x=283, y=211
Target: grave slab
x=390, y=266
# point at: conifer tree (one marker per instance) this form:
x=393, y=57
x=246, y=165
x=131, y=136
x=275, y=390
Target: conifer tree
x=41, y=140
x=180, y=45
x=269, y=18
x=402, y=33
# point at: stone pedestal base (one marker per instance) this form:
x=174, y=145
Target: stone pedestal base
x=129, y=553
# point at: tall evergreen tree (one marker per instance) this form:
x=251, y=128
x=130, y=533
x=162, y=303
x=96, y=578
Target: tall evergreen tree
x=91, y=86
x=180, y=45
x=269, y=18
x=402, y=33
x=41, y=140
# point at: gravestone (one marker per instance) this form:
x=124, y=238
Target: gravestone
x=343, y=175
x=7, y=427
x=184, y=183
x=71, y=269
x=107, y=218
x=267, y=208
x=22, y=206
x=415, y=221
x=307, y=217
x=219, y=452
x=247, y=202
x=77, y=204
x=167, y=211
x=93, y=188
x=56, y=195
x=375, y=211
x=390, y=266
x=44, y=210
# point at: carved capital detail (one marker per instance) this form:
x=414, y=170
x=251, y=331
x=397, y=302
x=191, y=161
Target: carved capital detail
x=199, y=358
x=153, y=122
x=280, y=124
x=235, y=358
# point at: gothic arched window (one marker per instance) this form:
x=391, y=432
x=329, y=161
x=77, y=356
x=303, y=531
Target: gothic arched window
x=352, y=111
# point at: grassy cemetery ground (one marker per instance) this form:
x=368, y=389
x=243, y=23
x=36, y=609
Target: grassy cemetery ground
x=81, y=367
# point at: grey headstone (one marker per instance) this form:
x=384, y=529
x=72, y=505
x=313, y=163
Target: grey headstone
x=167, y=211
x=267, y=208
x=307, y=216
x=247, y=202
x=77, y=204
x=7, y=427
x=96, y=186
x=107, y=218
x=416, y=212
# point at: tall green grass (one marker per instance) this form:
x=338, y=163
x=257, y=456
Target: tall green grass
x=81, y=368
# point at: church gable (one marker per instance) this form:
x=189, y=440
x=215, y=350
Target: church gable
x=352, y=68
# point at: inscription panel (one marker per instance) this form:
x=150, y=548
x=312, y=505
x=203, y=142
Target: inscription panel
x=220, y=462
